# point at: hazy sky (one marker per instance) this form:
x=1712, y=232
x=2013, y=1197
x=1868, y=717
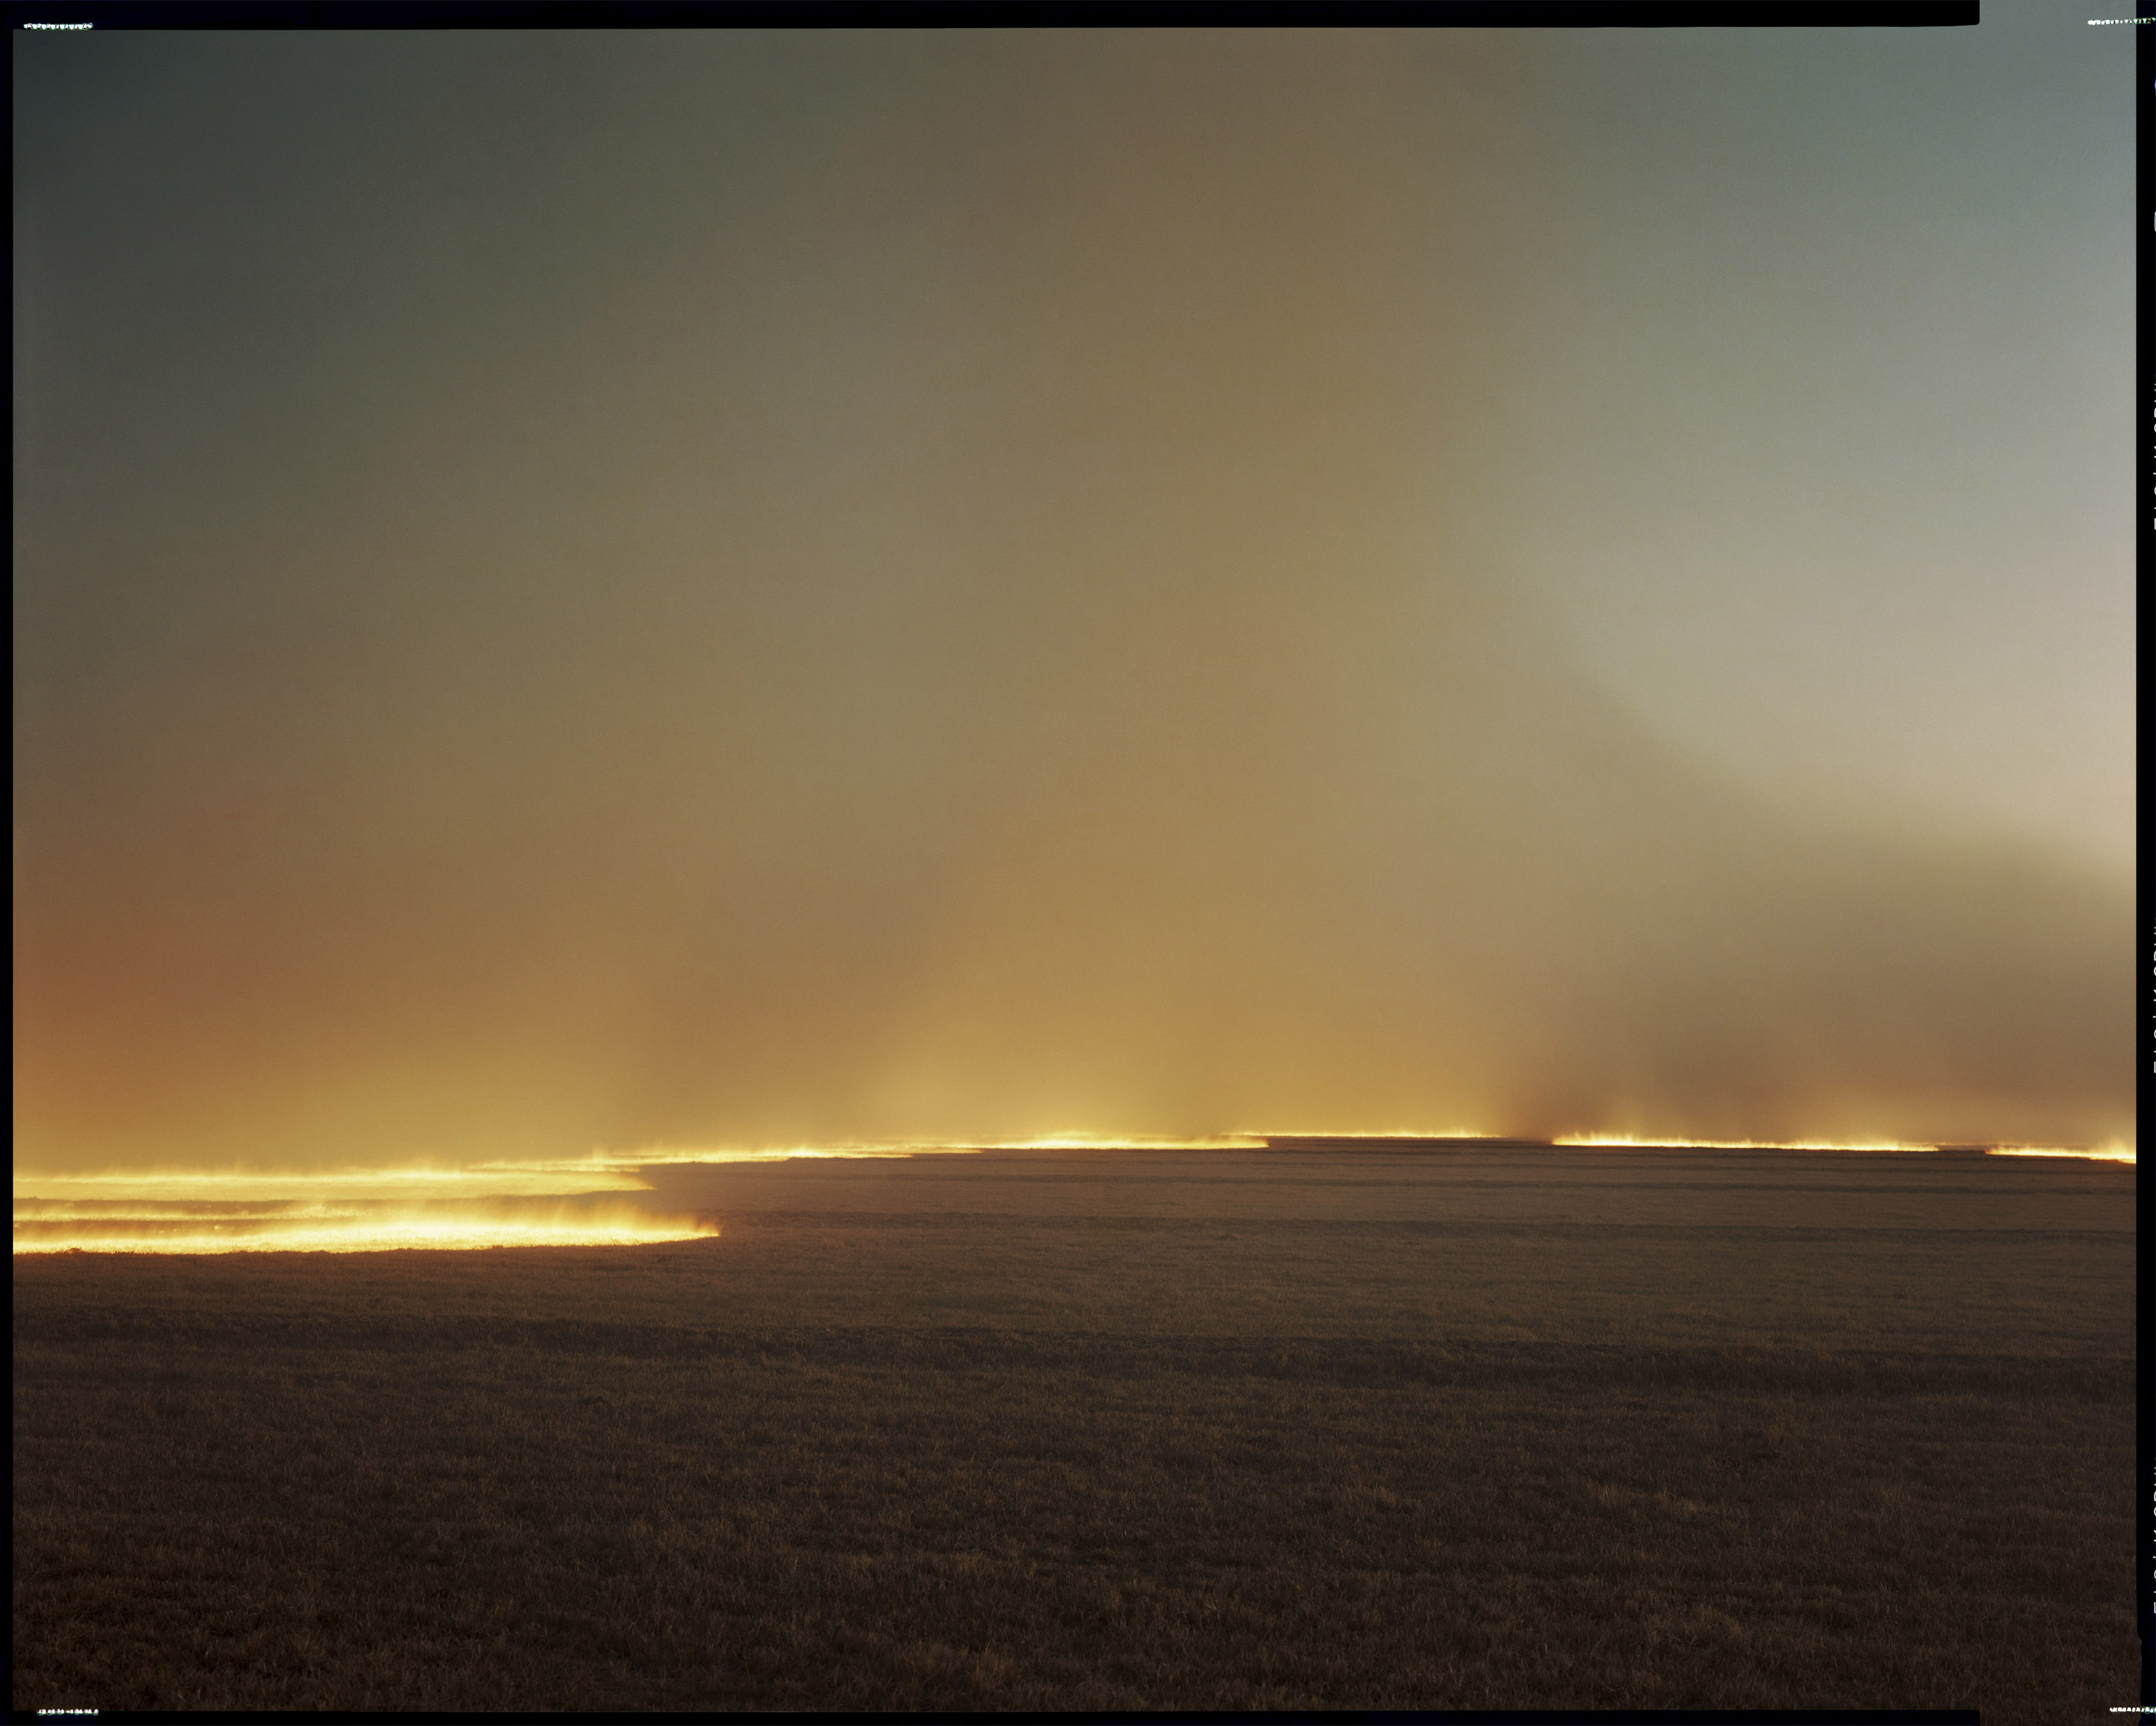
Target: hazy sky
x=612, y=588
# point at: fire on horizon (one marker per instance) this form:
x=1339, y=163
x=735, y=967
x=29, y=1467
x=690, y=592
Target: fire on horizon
x=856, y=589
x=506, y=1205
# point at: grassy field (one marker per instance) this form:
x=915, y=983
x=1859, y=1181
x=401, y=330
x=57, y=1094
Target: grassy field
x=1104, y=1430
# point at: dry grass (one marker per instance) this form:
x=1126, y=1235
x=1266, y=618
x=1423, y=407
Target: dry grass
x=1096, y=1431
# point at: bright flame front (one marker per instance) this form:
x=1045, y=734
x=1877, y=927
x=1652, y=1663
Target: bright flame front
x=207, y=1213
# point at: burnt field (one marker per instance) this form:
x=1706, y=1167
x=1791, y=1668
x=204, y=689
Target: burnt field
x=1106, y=1430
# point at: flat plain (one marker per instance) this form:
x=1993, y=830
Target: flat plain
x=1118, y=1429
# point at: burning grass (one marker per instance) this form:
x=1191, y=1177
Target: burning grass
x=341, y=1225
x=1524, y=1431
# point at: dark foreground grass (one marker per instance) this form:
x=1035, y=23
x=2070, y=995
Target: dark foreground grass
x=975, y=1461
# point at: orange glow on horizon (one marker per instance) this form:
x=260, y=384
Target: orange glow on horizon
x=212, y=1226
x=417, y=1182
x=599, y=1172
x=1656, y=1142
x=568, y=1201
x=581, y=1201
x=1126, y=1141
x=2114, y=1153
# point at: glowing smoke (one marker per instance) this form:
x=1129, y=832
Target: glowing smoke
x=796, y=591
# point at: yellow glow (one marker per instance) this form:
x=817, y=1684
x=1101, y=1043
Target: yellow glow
x=598, y=1173
x=601, y=1171
x=1376, y=1136
x=655, y=1155
x=566, y=1201
x=1658, y=1142
x=2115, y=1152
x=1073, y=1141
x=578, y=1201
x=1126, y=1141
x=197, y=1225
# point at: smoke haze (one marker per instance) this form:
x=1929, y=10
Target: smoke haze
x=624, y=588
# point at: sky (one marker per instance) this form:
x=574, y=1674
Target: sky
x=610, y=588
